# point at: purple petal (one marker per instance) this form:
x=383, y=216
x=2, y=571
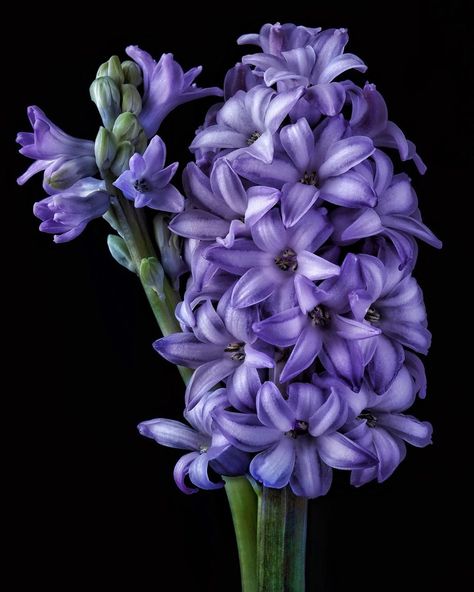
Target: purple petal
x=353, y=224
x=345, y=154
x=274, y=466
x=390, y=451
x=343, y=358
x=254, y=286
x=184, y=349
x=298, y=141
x=260, y=201
x=243, y=255
x=218, y=136
x=269, y=233
x=276, y=174
x=329, y=98
x=272, y=409
x=296, y=199
x=339, y=452
x=209, y=326
x=415, y=432
x=414, y=227
x=282, y=329
x=171, y=433
x=385, y=364
x=199, y=224
x=198, y=186
x=399, y=198
x=227, y=186
x=314, y=267
x=311, y=232
x=242, y=388
x=305, y=399
x=307, y=294
x=257, y=358
x=262, y=148
x=199, y=475
x=205, y=377
x=244, y=431
x=399, y=396
x=181, y=471
x=329, y=417
x=304, y=353
x=238, y=321
x=166, y=199
x=155, y=155
x=340, y=64
x=349, y=189
x=311, y=477
x=350, y=329
x=234, y=114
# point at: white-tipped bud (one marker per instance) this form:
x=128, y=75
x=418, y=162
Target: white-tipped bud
x=132, y=73
x=113, y=69
x=105, y=148
x=106, y=95
x=127, y=127
x=131, y=99
x=119, y=251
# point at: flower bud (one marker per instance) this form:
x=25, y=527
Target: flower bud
x=106, y=95
x=152, y=275
x=131, y=99
x=119, y=251
x=68, y=172
x=126, y=127
x=105, y=148
x=125, y=151
x=113, y=69
x=132, y=73
x=170, y=247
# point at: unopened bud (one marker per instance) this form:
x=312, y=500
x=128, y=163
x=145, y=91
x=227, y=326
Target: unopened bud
x=152, y=275
x=125, y=151
x=106, y=95
x=132, y=73
x=72, y=170
x=119, y=251
x=113, y=69
x=126, y=127
x=105, y=148
x=131, y=99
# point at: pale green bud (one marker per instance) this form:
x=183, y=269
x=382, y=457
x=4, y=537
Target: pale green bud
x=141, y=142
x=152, y=275
x=125, y=150
x=106, y=95
x=113, y=69
x=126, y=127
x=119, y=251
x=131, y=99
x=105, y=148
x=132, y=73
x=71, y=171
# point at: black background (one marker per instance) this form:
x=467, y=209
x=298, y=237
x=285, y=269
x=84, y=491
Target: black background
x=91, y=503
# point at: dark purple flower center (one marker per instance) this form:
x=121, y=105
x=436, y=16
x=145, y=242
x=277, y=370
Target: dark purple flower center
x=254, y=136
x=309, y=178
x=287, y=260
x=203, y=449
x=369, y=417
x=372, y=315
x=300, y=429
x=236, y=350
x=141, y=185
x=319, y=316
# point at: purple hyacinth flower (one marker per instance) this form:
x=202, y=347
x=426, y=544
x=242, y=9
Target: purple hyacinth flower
x=370, y=117
x=396, y=215
x=392, y=302
x=297, y=437
x=318, y=165
x=274, y=257
x=147, y=183
x=217, y=205
x=165, y=86
x=66, y=214
x=319, y=326
x=63, y=158
x=220, y=342
x=247, y=122
x=377, y=423
x=274, y=39
x=209, y=448
x=240, y=77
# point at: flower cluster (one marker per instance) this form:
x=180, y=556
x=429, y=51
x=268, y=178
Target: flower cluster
x=301, y=317
x=130, y=117
x=301, y=308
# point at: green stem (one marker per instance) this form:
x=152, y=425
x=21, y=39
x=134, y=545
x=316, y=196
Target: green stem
x=243, y=506
x=281, y=537
x=131, y=225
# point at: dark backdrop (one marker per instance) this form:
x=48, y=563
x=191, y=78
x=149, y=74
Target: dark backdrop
x=91, y=503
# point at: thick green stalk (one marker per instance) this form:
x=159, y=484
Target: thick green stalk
x=242, y=498
x=243, y=505
x=281, y=537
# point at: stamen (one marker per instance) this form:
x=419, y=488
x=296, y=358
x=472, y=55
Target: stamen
x=253, y=138
x=287, y=260
x=369, y=417
x=237, y=351
x=141, y=185
x=319, y=316
x=372, y=315
x=300, y=429
x=309, y=178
